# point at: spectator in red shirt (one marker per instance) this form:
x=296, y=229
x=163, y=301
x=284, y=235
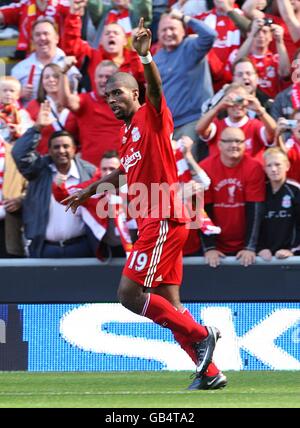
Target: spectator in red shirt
x=98, y=128
x=234, y=200
x=63, y=118
x=259, y=132
x=112, y=47
x=272, y=67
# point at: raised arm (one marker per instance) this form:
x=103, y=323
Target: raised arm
x=284, y=61
x=268, y=121
x=71, y=41
x=241, y=22
x=282, y=127
x=288, y=15
x=250, y=9
x=142, y=43
x=65, y=96
x=203, y=126
x=197, y=172
x=245, y=48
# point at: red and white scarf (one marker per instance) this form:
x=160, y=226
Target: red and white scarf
x=2, y=162
x=122, y=18
x=296, y=96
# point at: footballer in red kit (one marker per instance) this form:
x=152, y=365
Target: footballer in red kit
x=152, y=274
x=147, y=157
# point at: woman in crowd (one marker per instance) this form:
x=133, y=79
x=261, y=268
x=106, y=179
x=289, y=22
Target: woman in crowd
x=63, y=118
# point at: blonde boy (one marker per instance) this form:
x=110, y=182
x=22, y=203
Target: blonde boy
x=14, y=120
x=280, y=228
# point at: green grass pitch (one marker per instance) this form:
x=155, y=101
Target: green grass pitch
x=248, y=389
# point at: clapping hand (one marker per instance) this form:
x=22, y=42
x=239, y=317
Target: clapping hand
x=44, y=118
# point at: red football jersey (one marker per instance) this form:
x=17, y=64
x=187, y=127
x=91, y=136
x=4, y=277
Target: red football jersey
x=267, y=69
x=147, y=158
x=256, y=138
x=99, y=129
x=229, y=191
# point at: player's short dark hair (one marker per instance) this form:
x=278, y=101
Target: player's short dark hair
x=61, y=133
x=125, y=79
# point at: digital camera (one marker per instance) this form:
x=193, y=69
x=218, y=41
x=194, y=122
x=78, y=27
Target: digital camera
x=292, y=123
x=268, y=21
x=238, y=99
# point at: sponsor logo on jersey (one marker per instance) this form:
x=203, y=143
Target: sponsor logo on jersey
x=130, y=160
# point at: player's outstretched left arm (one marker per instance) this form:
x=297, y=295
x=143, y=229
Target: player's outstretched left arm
x=78, y=198
x=142, y=43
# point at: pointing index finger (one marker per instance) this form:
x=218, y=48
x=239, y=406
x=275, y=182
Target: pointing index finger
x=141, y=24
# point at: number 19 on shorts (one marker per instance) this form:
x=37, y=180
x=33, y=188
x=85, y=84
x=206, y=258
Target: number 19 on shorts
x=138, y=261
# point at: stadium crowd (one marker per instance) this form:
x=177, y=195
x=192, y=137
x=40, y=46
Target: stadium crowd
x=231, y=78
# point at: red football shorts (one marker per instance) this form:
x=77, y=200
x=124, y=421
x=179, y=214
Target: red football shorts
x=156, y=256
